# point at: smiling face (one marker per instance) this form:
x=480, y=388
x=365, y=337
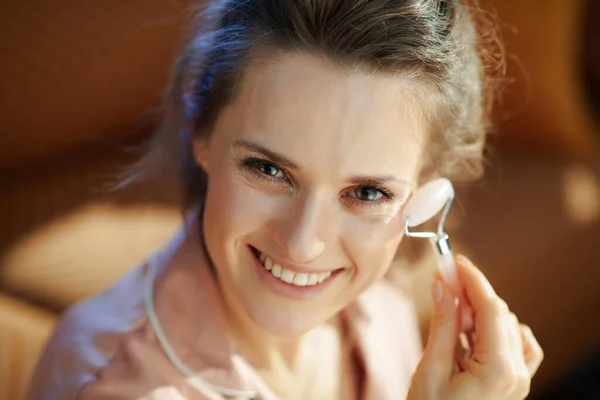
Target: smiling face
x=309, y=171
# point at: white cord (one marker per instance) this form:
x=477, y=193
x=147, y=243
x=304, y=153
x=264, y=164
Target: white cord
x=166, y=346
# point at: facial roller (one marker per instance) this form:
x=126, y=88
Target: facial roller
x=425, y=204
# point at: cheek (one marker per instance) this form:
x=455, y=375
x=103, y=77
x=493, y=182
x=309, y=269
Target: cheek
x=234, y=208
x=372, y=244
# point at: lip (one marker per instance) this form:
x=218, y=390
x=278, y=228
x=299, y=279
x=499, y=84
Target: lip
x=287, y=290
x=291, y=267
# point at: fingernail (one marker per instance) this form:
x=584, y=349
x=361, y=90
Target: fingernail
x=464, y=341
x=463, y=259
x=438, y=291
x=467, y=320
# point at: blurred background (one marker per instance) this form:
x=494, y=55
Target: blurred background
x=80, y=89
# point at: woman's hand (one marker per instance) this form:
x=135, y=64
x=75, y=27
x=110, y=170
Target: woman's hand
x=504, y=357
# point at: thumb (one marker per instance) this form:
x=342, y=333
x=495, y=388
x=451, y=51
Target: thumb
x=443, y=332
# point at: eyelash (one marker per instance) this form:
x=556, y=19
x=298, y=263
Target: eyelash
x=386, y=196
x=251, y=164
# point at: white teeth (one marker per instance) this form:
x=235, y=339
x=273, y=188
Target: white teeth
x=276, y=271
x=287, y=276
x=313, y=279
x=323, y=276
x=300, y=279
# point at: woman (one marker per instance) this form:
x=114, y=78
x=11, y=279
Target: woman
x=306, y=126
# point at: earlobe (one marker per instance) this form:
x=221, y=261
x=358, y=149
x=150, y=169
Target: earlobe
x=200, y=150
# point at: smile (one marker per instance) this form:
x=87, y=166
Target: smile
x=290, y=277
x=290, y=281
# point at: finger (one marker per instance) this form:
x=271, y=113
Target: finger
x=532, y=351
x=522, y=383
x=493, y=346
x=514, y=333
x=467, y=323
x=447, y=270
x=438, y=356
x=477, y=288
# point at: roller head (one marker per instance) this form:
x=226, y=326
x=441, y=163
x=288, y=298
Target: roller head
x=428, y=201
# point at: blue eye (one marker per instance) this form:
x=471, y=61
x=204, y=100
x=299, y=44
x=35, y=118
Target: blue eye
x=365, y=193
x=266, y=171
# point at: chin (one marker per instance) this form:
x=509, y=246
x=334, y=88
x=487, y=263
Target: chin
x=284, y=322
x=277, y=308
x=293, y=307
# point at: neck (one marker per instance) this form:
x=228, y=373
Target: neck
x=293, y=367
x=263, y=350
x=272, y=353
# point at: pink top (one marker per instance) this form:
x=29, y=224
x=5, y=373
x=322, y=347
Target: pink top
x=107, y=347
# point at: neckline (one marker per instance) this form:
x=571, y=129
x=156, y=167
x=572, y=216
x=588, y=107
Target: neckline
x=182, y=249
x=170, y=352
x=175, y=360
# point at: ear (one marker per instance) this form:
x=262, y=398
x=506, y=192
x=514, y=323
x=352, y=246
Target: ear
x=200, y=149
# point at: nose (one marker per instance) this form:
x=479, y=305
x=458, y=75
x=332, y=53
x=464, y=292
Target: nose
x=299, y=234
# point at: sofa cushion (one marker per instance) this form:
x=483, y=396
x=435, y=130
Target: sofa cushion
x=66, y=236
x=85, y=251
x=24, y=330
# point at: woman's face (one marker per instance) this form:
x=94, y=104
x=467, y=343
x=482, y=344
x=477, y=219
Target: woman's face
x=309, y=171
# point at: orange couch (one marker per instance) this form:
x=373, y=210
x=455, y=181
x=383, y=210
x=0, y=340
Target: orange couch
x=80, y=84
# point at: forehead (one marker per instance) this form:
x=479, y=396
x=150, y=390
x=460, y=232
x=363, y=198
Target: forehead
x=316, y=113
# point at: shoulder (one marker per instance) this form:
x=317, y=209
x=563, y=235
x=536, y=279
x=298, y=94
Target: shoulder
x=86, y=337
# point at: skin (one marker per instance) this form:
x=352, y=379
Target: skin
x=334, y=126
x=311, y=165
x=504, y=353
x=337, y=128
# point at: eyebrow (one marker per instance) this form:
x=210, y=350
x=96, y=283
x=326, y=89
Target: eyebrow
x=359, y=180
x=376, y=180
